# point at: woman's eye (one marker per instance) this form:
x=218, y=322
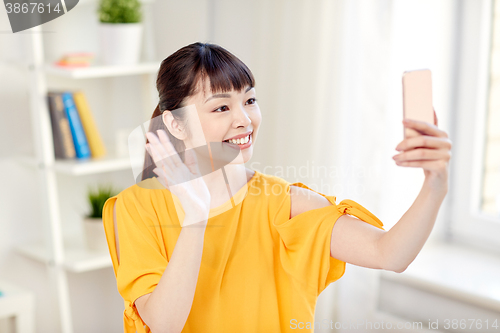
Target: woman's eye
x=254, y=100
x=219, y=108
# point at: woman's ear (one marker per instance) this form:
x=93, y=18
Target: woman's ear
x=173, y=125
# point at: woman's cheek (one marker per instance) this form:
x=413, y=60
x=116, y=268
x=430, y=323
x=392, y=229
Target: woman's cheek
x=257, y=118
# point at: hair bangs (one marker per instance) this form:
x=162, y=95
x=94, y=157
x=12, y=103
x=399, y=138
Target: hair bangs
x=224, y=70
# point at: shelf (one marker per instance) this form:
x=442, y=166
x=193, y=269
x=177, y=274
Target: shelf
x=77, y=258
x=19, y=303
x=77, y=167
x=101, y=71
x=95, y=2
x=91, y=166
x=43, y=74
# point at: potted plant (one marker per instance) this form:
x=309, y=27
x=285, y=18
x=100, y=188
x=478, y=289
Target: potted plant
x=94, y=230
x=120, y=25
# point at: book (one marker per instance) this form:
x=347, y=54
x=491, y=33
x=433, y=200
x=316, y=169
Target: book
x=76, y=59
x=79, y=138
x=97, y=148
x=61, y=132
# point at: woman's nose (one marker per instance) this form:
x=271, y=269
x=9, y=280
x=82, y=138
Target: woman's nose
x=241, y=117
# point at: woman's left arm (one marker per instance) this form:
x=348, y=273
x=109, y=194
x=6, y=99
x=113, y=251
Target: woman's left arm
x=430, y=151
x=362, y=244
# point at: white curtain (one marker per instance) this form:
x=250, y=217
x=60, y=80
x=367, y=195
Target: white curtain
x=322, y=76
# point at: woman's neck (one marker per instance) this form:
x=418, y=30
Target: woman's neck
x=221, y=190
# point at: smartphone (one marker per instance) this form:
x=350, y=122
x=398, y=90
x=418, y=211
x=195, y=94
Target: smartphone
x=417, y=98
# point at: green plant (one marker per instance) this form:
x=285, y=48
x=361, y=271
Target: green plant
x=98, y=197
x=120, y=11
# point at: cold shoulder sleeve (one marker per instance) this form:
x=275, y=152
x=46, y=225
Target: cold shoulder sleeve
x=305, y=240
x=142, y=258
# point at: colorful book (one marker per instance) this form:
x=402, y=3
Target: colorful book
x=79, y=139
x=61, y=132
x=97, y=148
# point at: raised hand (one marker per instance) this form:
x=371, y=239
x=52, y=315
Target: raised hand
x=431, y=151
x=183, y=179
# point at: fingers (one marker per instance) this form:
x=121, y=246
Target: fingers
x=169, y=166
x=431, y=150
x=191, y=162
x=424, y=128
x=161, y=176
x=154, y=153
x=170, y=155
x=163, y=149
x=423, y=155
x=424, y=141
x=435, y=165
x=424, y=147
x=161, y=167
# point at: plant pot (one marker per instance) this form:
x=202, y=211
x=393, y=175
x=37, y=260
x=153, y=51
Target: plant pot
x=120, y=43
x=95, y=238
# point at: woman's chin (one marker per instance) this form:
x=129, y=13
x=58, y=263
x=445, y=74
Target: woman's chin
x=243, y=157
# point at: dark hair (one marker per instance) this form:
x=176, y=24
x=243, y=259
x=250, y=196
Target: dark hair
x=177, y=80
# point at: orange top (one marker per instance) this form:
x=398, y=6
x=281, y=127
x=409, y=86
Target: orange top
x=260, y=270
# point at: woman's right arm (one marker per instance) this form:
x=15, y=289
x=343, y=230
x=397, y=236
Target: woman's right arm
x=166, y=309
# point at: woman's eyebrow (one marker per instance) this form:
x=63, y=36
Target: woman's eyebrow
x=224, y=95
x=218, y=96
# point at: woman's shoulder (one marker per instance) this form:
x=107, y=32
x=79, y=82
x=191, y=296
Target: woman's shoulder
x=288, y=187
x=270, y=180
x=141, y=192
x=274, y=191
x=146, y=191
x=140, y=201
x=270, y=187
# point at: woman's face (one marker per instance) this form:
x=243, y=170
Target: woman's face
x=224, y=116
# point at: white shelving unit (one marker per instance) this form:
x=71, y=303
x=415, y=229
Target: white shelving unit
x=95, y=72
x=59, y=253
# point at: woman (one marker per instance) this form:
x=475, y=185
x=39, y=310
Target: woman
x=203, y=244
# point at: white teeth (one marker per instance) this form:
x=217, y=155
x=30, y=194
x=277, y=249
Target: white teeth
x=240, y=141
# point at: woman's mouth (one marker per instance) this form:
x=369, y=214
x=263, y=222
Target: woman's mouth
x=242, y=143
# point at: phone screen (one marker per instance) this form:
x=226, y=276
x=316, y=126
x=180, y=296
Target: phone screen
x=417, y=98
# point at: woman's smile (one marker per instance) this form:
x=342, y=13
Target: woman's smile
x=242, y=143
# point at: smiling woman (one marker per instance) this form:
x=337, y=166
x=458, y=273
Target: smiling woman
x=211, y=246
x=205, y=68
